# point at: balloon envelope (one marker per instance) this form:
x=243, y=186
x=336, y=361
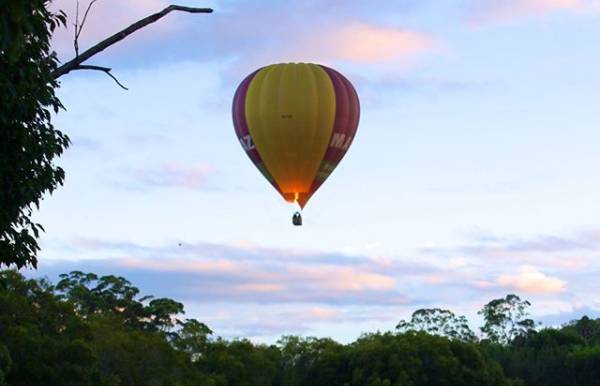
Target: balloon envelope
x=296, y=121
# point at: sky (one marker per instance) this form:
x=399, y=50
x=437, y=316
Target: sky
x=473, y=173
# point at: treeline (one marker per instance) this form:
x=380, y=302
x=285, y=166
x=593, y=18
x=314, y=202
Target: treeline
x=90, y=330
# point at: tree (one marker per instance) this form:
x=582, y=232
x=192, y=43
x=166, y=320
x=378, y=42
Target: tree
x=588, y=329
x=192, y=338
x=241, y=363
x=538, y=359
x=28, y=140
x=5, y=363
x=506, y=319
x=45, y=340
x=306, y=361
x=29, y=143
x=114, y=295
x=436, y=321
x=418, y=359
x=81, y=335
x=49, y=338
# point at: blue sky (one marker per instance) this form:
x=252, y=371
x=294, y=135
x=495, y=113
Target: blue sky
x=473, y=173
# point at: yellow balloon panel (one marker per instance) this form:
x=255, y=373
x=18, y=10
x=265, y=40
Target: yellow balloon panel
x=290, y=111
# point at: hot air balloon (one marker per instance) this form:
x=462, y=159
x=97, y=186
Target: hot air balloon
x=295, y=121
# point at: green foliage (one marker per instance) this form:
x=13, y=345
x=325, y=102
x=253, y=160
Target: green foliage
x=506, y=319
x=584, y=366
x=28, y=140
x=132, y=357
x=420, y=359
x=310, y=361
x=588, y=329
x=97, y=330
x=46, y=342
x=240, y=363
x=88, y=330
x=569, y=356
x=538, y=359
x=5, y=363
x=436, y=321
x=114, y=295
x=192, y=338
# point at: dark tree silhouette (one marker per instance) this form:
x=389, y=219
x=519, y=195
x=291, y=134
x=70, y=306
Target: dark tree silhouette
x=506, y=319
x=436, y=321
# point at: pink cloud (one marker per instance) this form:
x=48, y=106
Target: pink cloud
x=314, y=313
x=321, y=313
x=437, y=278
x=365, y=43
x=483, y=284
x=178, y=265
x=293, y=288
x=259, y=278
x=328, y=41
x=260, y=287
x=294, y=34
x=531, y=280
x=569, y=263
x=507, y=10
x=344, y=278
x=248, y=272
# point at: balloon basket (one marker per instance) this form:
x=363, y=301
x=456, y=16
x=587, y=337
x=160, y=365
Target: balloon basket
x=297, y=219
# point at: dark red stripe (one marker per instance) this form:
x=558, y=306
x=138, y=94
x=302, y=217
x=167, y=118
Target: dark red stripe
x=347, y=115
x=239, y=119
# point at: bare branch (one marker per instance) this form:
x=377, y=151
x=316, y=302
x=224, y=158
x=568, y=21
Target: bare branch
x=85, y=17
x=75, y=43
x=99, y=68
x=75, y=63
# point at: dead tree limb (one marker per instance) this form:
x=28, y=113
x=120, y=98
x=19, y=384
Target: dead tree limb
x=76, y=63
x=78, y=30
x=100, y=68
x=75, y=43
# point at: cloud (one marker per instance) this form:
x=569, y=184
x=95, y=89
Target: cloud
x=531, y=281
x=245, y=289
x=245, y=272
x=175, y=176
x=321, y=313
x=262, y=287
x=286, y=282
x=246, y=35
x=559, y=252
x=498, y=11
x=249, y=273
x=365, y=43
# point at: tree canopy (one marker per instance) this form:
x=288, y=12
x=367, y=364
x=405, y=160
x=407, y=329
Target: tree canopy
x=436, y=321
x=100, y=330
x=506, y=319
